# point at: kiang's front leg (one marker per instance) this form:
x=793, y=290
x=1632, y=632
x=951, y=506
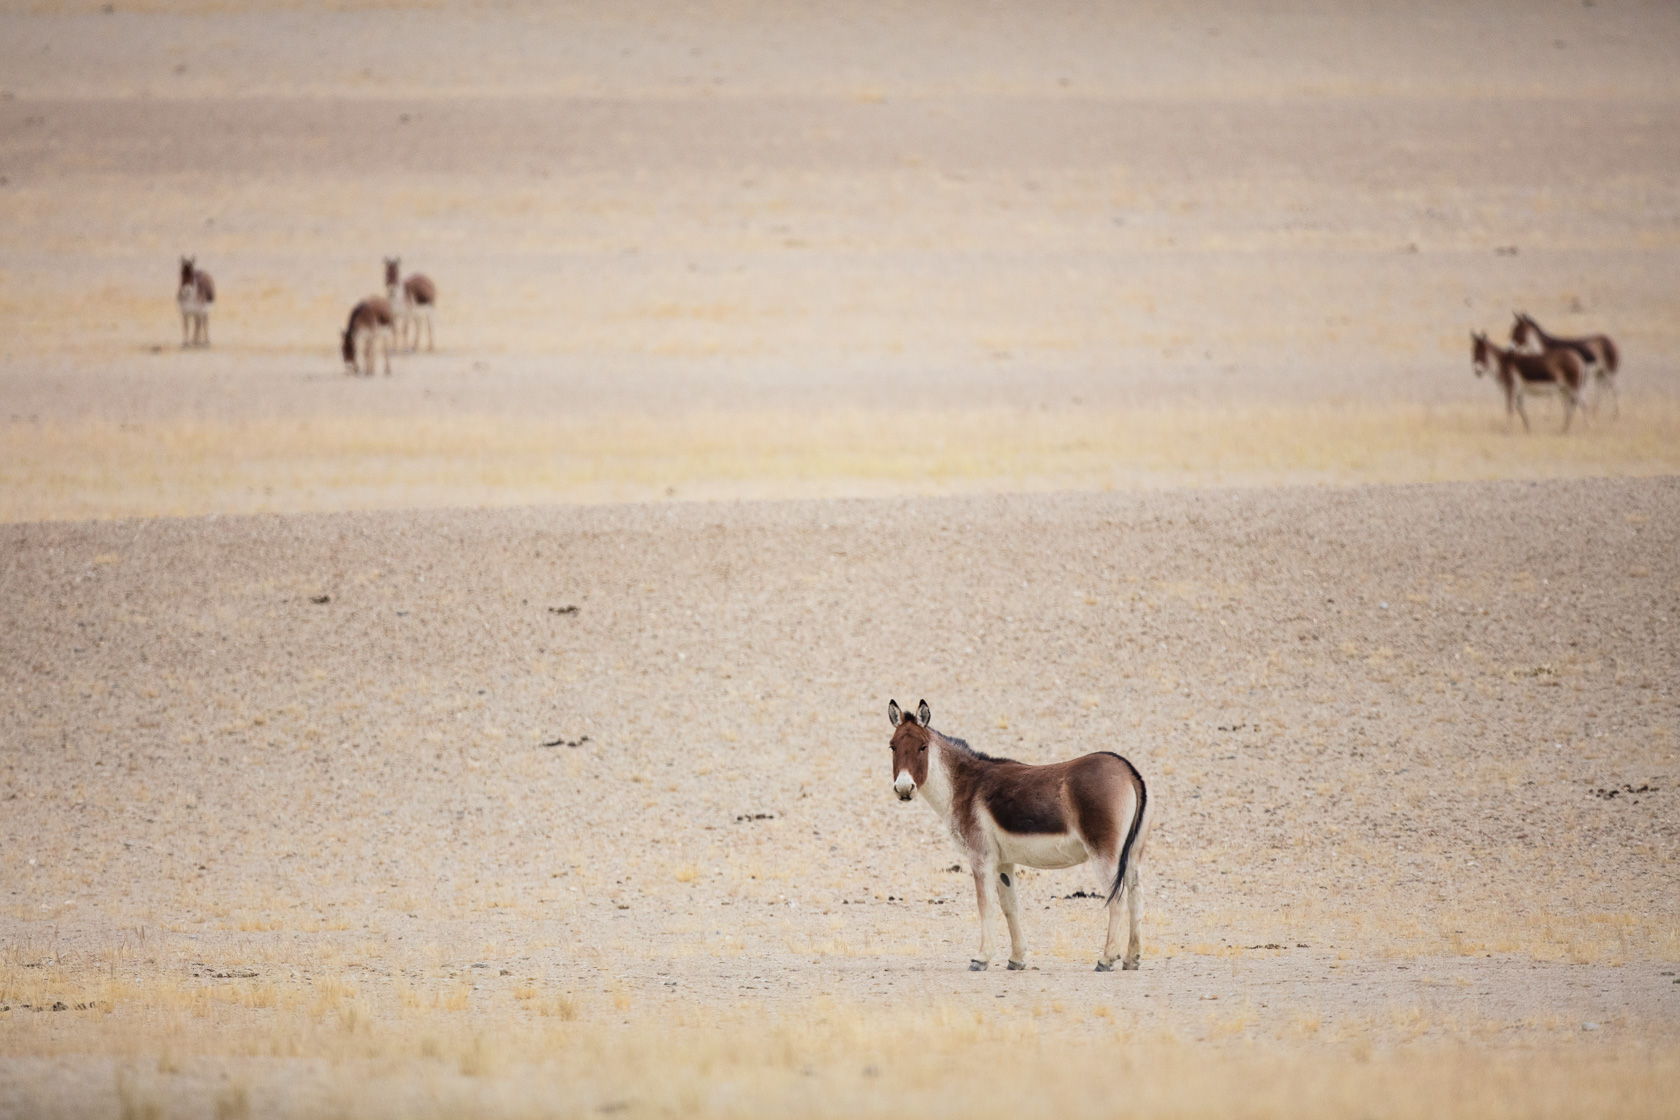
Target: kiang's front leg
x=984, y=869
x=1012, y=915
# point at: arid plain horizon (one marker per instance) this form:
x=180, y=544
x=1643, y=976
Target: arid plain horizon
x=507, y=735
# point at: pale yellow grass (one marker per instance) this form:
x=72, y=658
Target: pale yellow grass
x=98, y=469
x=831, y=1058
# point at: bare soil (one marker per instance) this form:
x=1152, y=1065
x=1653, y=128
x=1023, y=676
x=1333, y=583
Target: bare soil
x=1413, y=751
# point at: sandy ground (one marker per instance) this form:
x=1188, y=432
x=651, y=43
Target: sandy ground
x=1413, y=750
x=1101, y=376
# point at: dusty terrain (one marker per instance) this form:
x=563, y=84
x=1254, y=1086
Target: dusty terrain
x=1100, y=376
x=1394, y=736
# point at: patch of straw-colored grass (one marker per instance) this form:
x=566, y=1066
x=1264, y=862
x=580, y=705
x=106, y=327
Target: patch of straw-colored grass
x=183, y=466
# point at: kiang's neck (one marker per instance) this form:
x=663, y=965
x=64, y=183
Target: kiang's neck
x=937, y=788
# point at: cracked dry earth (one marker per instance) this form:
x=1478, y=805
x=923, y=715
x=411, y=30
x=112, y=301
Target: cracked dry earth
x=1413, y=751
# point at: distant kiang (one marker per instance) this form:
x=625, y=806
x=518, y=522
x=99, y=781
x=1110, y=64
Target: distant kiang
x=413, y=300
x=1520, y=375
x=1004, y=814
x=370, y=327
x=1598, y=355
x=194, y=296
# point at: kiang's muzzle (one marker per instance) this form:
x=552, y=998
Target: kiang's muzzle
x=905, y=787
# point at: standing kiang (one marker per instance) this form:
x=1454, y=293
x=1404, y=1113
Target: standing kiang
x=194, y=296
x=412, y=300
x=1597, y=353
x=371, y=328
x=1520, y=375
x=1005, y=814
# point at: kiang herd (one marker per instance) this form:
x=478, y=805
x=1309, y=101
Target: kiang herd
x=399, y=316
x=1535, y=364
x=1541, y=364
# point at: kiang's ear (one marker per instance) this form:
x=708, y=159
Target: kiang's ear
x=924, y=714
x=893, y=713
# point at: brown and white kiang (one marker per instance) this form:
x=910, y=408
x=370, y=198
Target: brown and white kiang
x=413, y=300
x=1519, y=375
x=1598, y=354
x=1005, y=814
x=194, y=296
x=371, y=326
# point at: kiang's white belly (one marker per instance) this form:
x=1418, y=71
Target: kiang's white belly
x=1047, y=850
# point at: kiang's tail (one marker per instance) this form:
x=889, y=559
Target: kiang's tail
x=1128, y=850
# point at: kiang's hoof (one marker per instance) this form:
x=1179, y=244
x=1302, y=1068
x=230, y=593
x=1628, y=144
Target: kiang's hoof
x=1130, y=966
x=978, y=966
x=1101, y=967
x=1017, y=966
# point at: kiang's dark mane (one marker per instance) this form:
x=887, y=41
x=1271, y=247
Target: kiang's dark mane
x=962, y=745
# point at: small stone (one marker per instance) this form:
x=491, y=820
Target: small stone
x=1589, y=1026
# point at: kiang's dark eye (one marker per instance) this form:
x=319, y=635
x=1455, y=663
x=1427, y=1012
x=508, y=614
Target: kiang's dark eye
x=923, y=747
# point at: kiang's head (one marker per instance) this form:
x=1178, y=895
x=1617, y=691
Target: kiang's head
x=188, y=265
x=1481, y=352
x=393, y=266
x=909, y=747
x=1520, y=329
x=348, y=348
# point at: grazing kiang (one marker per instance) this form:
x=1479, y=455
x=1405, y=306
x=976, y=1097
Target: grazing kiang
x=1005, y=814
x=194, y=296
x=1597, y=352
x=1520, y=375
x=370, y=327
x=413, y=300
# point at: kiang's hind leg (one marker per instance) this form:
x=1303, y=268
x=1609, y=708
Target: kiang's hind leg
x=1106, y=868
x=1011, y=915
x=1133, y=898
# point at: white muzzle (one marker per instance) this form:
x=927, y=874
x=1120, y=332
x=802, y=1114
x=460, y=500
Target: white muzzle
x=905, y=787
